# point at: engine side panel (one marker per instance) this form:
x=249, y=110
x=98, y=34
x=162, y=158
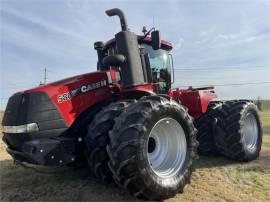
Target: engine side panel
x=74, y=95
x=195, y=100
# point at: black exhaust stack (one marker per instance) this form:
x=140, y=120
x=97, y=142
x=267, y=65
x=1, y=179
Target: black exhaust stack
x=127, y=45
x=98, y=46
x=121, y=15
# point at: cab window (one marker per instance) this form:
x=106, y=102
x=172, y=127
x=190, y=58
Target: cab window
x=160, y=66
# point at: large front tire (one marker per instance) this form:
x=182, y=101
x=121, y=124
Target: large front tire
x=239, y=134
x=151, y=148
x=97, y=138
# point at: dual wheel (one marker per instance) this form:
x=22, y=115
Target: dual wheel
x=146, y=146
x=232, y=129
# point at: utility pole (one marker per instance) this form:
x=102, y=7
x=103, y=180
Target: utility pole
x=45, y=76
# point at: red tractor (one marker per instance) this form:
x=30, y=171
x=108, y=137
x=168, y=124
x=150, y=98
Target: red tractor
x=127, y=123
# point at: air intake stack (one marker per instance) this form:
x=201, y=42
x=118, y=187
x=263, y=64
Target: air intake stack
x=127, y=45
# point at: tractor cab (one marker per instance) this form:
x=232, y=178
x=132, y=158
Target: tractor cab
x=161, y=65
x=157, y=62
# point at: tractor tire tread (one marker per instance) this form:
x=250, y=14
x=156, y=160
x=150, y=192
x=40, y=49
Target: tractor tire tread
x=228, y=139
x=97, y=138
x=123, y=164
x=204, y=125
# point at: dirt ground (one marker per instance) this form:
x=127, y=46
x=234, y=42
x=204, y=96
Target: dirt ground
x=214, y=179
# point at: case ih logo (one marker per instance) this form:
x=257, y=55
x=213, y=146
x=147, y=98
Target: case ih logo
x=83, y=89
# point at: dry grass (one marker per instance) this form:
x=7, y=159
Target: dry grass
x=215, y=179
x=265, y=116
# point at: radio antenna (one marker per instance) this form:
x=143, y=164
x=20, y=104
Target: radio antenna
x=153, y=21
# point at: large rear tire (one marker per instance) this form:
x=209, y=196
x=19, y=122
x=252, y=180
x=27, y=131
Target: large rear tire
x=151, y=148
x=97, y=138
x=239, y=134
x=205, y=126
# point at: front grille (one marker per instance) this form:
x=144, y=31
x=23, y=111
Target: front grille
x=34, y=107
x=12, y=110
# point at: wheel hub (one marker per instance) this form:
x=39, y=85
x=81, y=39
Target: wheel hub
x=250, y=132
x=167, y=147
x=151, y=145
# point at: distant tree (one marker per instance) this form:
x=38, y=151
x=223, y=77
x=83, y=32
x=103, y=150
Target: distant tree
x=259, y=103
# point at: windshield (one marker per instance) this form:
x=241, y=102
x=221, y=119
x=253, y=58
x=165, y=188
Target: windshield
x=160, y=65
x=158, y=58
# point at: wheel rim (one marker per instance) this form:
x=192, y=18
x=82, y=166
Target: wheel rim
x=167, y=147
x=250, y=132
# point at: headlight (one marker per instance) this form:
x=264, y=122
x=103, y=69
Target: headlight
x=26, y=128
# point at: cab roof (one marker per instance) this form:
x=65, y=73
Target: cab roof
x=147, y=40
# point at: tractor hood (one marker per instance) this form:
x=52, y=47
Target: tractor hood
x=61, y=100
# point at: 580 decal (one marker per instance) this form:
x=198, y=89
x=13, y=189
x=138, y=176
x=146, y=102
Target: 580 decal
x=83, y=89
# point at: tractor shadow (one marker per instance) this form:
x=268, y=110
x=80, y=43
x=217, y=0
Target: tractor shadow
x=67, y=184
x=49, y=184
x=212, y=161
x=262, y=163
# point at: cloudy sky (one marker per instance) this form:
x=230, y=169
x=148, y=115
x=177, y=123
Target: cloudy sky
x=215, y=42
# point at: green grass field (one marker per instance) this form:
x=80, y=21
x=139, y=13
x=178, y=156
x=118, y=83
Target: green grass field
x=214, y=179
x=265, y=115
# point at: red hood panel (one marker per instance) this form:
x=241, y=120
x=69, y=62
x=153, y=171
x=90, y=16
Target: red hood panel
x=74, y=95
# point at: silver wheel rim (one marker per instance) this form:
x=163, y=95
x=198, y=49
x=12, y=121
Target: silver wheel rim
x=250, y=132
x=167, y=147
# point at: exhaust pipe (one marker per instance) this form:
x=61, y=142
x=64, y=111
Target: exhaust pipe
x=121, y=15
x=128, y=47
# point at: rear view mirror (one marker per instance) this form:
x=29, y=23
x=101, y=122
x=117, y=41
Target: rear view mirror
x=114, y=60
x=156, y=43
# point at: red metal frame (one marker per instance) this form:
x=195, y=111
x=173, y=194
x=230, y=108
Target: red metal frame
x=195, y=100
x=72, y=107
